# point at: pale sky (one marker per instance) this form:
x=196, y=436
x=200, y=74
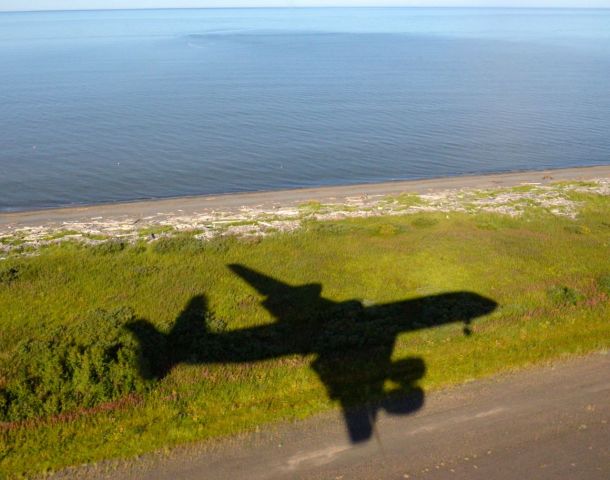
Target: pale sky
x=11, y=5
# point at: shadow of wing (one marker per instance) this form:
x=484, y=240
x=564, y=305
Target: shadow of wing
x=263, y=284
x=347, y=381
x=406, y=396
x=357, y=380
x=431, y=311
x=297, y=307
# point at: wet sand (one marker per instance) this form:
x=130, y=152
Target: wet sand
x=275, y=199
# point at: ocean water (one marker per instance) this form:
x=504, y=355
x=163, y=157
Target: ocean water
x=124, y=105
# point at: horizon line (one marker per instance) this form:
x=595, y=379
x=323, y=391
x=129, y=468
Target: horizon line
x=310, y=7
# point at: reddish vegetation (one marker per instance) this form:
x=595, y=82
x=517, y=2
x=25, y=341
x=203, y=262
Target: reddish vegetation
x=119, y=404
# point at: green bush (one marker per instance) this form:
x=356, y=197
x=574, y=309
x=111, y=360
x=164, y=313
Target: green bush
x=179, y=243
x=110, y=247
x=219, y=245
x=332, y=228
x=390, y=229
x=604, y=283
x=8, y=275
x=424, y=222
x=77, y=367
x=578, y=229
x=562, y=295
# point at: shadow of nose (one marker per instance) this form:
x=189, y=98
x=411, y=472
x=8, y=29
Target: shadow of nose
x=472, y=305
x=487, y=305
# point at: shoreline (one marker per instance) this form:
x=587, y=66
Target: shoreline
x=273, y=199
x=259, y=214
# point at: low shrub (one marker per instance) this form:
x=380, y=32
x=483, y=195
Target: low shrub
x=219, y=245
x=604, y=283
x=76, y=367
x=387, y=230
x=8, y=275
x=109, y=247
x=578, y=229
x=424, y=222
x=562, y=295
x=179, y=243
x=390, y=229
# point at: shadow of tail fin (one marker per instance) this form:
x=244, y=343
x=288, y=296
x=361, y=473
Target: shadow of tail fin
x=154, y=361
x=190, y=323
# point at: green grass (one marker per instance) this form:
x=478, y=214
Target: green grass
x=574, y=183
x=525, y=188
x=310, y=208
x=405, y=200
x=75, y=389
x=155, y=230
x=61, y=234
x=12, y=241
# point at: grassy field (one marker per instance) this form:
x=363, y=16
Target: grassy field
x=115, y=350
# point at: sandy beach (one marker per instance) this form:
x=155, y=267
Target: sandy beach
x=260, y=213
x=271, y=199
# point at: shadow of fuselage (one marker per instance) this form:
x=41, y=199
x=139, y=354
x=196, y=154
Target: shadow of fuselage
x=352, y=344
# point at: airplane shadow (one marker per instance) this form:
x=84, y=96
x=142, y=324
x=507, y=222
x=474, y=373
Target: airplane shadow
x=352, y=344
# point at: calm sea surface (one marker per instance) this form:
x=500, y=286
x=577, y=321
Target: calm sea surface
x=123, y=105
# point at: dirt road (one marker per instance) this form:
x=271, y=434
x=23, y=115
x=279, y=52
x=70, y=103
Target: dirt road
x=543, y=423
